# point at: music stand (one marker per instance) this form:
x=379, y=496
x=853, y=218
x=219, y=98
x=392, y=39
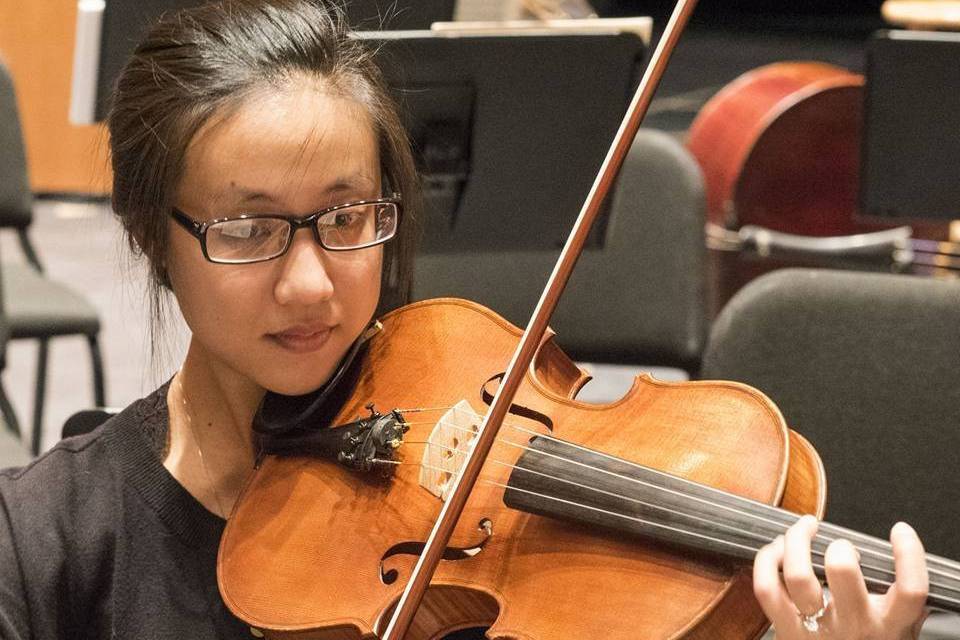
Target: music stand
x=107, y=33
x=911, y=148
x=510, y=130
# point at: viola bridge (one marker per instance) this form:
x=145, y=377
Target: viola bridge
x=450, y=440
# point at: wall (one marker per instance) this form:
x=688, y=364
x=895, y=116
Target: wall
x=36, y=42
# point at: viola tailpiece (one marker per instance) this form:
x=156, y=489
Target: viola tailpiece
x=365, y=444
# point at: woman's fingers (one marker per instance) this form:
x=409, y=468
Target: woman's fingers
x=907, y=597
x=798, y=576
x=768, y=587
x=850, y=600
x=852, y=612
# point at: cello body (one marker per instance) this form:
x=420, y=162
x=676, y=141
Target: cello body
x=316, y=550
x=780, y=148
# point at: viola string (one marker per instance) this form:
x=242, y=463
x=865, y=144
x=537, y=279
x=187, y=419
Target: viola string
x=823, y=532
x=937, y=566
x=780, y=526
x=634, y=480
x=425, y=409
x=787, y=518
x=820, y=537
x=652, y=505
x=721, y=541
x=649, y=485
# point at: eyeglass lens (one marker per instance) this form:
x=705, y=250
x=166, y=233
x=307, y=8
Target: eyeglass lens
x=253, y=239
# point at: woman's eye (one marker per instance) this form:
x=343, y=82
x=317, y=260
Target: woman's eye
x=246, y=230
x=345, y=219
x=249, y=229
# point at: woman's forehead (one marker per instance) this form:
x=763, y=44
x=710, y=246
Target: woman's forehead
x=300, y=140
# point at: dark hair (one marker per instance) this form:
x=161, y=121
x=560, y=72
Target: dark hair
x=208, y=60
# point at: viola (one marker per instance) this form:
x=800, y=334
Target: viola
x=633, y=519
x=542, y=518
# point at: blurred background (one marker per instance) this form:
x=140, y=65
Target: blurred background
x=68, y=168
x=810, y=135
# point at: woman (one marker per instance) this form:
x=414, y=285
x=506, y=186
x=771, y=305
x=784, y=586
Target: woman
x=240, y=108
x=263, y=109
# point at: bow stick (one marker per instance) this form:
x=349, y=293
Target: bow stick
x=530, y=341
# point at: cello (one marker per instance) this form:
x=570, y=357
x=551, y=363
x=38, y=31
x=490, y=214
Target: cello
x=320, y=546
x=779, y=148
x=780, y=151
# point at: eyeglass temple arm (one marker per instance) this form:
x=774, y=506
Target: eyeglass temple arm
x=195, y=228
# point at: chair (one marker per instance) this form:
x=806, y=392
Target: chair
x=867, y=367
x=85, y=421
x=12, y=452
x=36, y=307
x=640, y=299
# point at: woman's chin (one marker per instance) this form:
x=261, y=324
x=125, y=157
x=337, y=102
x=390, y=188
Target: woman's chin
x=288, y=385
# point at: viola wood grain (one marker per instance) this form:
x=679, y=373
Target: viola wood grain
x=303, y=552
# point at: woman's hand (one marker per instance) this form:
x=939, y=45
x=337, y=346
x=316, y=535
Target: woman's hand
x=852, y=613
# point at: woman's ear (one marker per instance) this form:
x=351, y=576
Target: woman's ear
x=158, y=263
x=163, y=277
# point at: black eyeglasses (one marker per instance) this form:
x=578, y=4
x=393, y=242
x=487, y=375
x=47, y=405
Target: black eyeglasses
x=257, y=238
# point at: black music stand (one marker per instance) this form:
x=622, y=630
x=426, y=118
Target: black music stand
x=510, y=130
x=911, y=140
x=115, y=30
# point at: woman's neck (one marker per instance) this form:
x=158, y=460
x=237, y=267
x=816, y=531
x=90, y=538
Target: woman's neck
x=210, y=443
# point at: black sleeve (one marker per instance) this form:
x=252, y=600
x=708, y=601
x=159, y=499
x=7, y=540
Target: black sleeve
x=14, y=612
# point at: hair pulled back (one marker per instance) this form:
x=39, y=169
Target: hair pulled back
x=203, y=62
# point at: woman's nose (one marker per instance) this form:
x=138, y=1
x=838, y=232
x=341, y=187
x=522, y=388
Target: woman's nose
x=304, y=277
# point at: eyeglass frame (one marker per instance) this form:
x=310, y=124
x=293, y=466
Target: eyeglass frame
x=199, y=229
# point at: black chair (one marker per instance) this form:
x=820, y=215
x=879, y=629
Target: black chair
x=6, y=408
x=867, y=367
x=36, y=307
x=638, y=299
x=86, y=421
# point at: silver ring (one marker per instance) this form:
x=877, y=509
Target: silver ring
x=812, y=622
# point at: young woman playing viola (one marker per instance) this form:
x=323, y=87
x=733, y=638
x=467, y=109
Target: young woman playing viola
x=257, y=162
x=258, y=167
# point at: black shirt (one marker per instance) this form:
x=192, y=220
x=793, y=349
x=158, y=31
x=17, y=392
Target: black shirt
x=98, y=540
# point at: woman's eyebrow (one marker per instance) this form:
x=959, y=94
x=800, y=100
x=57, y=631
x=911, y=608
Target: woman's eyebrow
x=340, y=185
x=243, y=195
x=350, y=183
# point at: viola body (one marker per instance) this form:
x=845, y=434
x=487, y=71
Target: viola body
x=311, y=546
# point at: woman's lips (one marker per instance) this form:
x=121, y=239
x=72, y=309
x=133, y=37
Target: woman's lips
x=302, y=339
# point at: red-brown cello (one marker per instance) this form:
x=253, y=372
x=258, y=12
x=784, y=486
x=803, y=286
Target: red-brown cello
x=780, y=149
